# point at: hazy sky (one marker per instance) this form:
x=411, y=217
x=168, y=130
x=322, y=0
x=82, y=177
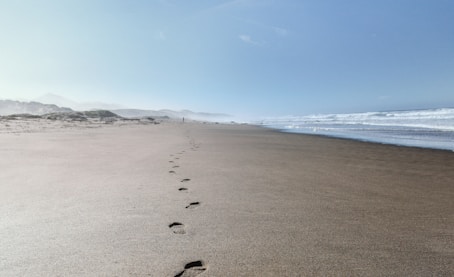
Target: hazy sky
x=244, y=57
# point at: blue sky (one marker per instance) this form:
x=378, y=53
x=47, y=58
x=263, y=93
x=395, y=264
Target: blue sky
x=243, y=57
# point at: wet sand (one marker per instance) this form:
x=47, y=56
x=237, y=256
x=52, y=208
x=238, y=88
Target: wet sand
x=221, y=200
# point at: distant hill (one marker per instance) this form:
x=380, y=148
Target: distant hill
x=88, y=117
x=134, y=113
x=102, y=115
x=57, y=104
x=77, y=106
x=8, y=107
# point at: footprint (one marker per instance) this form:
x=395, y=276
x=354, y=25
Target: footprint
x=192, y=269
x=182, y=189
x=171, y=161
x=177, y=228
x=193, y=205
x=172, y=172
x=185, y=180
x=176, y=166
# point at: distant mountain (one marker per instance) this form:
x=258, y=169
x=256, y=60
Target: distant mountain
x=77, y=106
x=134, y=113
x=8, y=107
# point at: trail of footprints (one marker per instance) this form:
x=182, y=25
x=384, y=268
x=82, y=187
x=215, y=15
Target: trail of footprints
x=196, y=267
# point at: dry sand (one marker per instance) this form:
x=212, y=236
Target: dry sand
x=224, y=200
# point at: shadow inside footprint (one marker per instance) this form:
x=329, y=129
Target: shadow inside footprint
x=182, y=189
x=193, y=205
x=185, y=180
x=192, y=269
x=172, y=172
x=177, y=228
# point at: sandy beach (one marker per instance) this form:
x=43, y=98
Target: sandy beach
x=196, y=199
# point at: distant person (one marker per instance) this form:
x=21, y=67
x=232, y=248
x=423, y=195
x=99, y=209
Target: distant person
x=183, y=119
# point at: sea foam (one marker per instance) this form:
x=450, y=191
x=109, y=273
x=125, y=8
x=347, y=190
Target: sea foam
x=432, y=128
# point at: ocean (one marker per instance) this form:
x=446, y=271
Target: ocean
x=431, y=128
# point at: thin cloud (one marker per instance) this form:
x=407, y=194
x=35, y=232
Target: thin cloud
x=280, y=31
x=248, y=39
x=160, y=35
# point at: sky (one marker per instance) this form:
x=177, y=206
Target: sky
x=241, y=57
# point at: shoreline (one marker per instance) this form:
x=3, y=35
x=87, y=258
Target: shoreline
x=426, y=128
x=221, y=200
x=357, y=139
